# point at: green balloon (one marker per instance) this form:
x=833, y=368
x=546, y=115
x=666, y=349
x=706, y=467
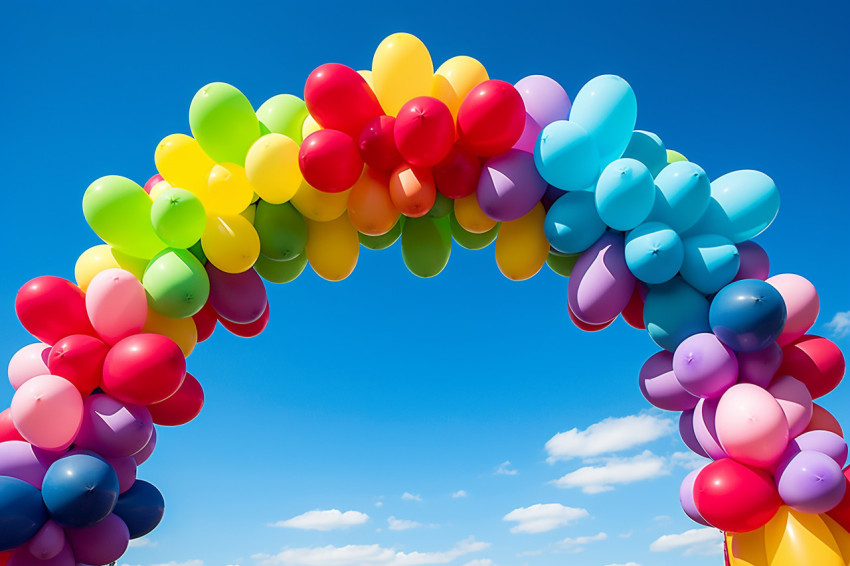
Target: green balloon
x=442, y=205
x=223, y=122
x=426, y=244
x=178, y=218
x=197, y=250
x=280, y=271
x=383, y=241
x=177, y=283
x=264, y=129
x=284, y=114
x=562, y=264
x=470, y=240
x=282, y=230
x=119, y=211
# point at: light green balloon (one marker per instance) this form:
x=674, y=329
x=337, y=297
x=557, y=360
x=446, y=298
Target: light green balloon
x=470, y=240
x=284, y=114
x=178, y=218
x=383, y=241
x=223, y=122
x=562, y=264
x=282, y=230
x=177, y=283
x=197, y=250
x=426, y=244
x=280, y=271
x=119, y=211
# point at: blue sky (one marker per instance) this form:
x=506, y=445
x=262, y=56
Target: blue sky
x=420, y=410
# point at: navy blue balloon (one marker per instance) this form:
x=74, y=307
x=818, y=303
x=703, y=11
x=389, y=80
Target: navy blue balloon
x=747, y=315
x=141, y=507
x=80, y=490
x=22, y=513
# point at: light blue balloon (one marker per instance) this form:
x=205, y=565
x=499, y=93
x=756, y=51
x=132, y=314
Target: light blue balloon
x=711, y=261
x=572, y=224
x=682, y=194
x=654, y=252
x=647, y=148
x=743, y=204
x=566, y=156
x=624, y=193
x=674, y=311
x=607, y=108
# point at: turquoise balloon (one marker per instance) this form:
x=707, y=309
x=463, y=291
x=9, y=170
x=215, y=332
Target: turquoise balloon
x=566, y=156
x=606, y=108
x=647, y=148
x=654, y=252
x=572, y=224
x=674, y=311
x=624, y=194
x=743, y=204
x=682, y=195
x=283, y=114
x=710, y=263
x=176, y=283
x=275, y=271
x=223, y=122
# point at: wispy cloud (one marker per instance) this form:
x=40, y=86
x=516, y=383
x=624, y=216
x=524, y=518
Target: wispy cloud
x=610, y=435
x=480, y=562
x=840, y=324
x=329, y=520
x=615, y=471
x=459, y=493
x=407, y=496
x=142, y=543
x=541, y=517
x=576, y=544
x=504, y=469
x=695, y=541
x=688, y=460
x=401, y=524
x=626, y=564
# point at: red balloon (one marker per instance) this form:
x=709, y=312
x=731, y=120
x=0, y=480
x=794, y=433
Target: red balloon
x=841, y=512
x=424, y=131
x=152, y=182
x=330, y=161
x=377, y=144
x=633, y=313
x=457, y=175
x=143, y=369
x=815, y=361
x=248, y=330
x=491, y=118
x=51, y=308
x=205, y=321
x=586, y=326
x=734, y=497
x=823, y=420
x=5, y=556
x=181, y=407
x=7, y=427
x=79, y=359
x=340, y=99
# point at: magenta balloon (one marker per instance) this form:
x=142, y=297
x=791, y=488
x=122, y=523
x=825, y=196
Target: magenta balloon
x=686, y=498
x=705, y=366
x=811, y=482
x=545, y=102
x=142, y=455
x=237, y=297
x=686, y=431
x=27, y=363
x=48, y=541
x=510, y=185
x=19, y=459
x=760, y=366
x=23, y=557
x=754, y=261
x=705, y=428
x=795, y=400
x=112, y=428
x=125, y=468
x=601, y=283
x=102, y=543
x=660, y=387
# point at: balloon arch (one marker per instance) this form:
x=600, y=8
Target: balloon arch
x=404, y=152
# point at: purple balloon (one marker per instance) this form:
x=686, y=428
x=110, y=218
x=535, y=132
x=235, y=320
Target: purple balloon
x=48, y=541
x=686, y=431
x=20, y=459
x=601, y=283
x=125, y=469
x=545, y=102
x=660, y=387
x=704, y=365
x=237, y=297
x=760, y=366
x=686, y=498
x=102, y=543
x=550, y=196
x=811, y=482
x=705, y=430
x=754, y=262
x=112, y=428
x=510, y=186
x=23, y=557
x=142, y=455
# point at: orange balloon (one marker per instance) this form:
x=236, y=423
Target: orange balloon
x=412, y=190
x=470, y=216
x=370, y=207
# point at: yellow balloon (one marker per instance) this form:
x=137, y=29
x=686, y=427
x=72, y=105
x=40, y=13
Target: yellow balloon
x=318, y=205
x=332, y=248
x=401, y=69
x=367, y=76
x=470, y=216
x=182, y=330
x=842, y=537
x=231, y=243
x=228, y=190
x=521, y=246
x=272, y=167
x=310, y=126
x=746, y=549
x=181, y=161
x=102, y=257
x=455, y=78
x=793, y=539
x=674, y=156
x=157, y=189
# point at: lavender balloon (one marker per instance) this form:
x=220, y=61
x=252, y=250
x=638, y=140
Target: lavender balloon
x=102, y=543
x=238, y=297
x=22, y=460
x=601, y=283
x=48, y=541
x=660, y=386
x=811, y=482
x=112, y=428
x=686, y=431
x=760, y=366
x=686, y=498
x=705, y=366
x=510, y=186
x=545, y=101
x=822, y=441
x=705, y=429
x=754, y=262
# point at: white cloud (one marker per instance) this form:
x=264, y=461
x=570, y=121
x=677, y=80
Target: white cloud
x=626, y=564
x=577, y=542
x=401, y=524
x=459, y=493
x=480, y=562
x=379, y=504
x=688, y=460
x=541, y=518
x=695, y=541
x=329, y=520
x=142, y=543
x=186, y=563
x=840, y=324
x=504, y=469
x=609, y=435
x=661, y=518
x=366, y=555
x=407, y=496
x=596, y=479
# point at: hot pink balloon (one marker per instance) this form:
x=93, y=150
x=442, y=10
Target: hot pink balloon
x=802, y=303
x=601, y=283
x=660, y=387
x=754, y=261
x=28, y=362
x=112, y=428
x=47, y=410
x=705, y=428
x=101, y=544
x=795, y=400
x=705, y=366
x=48, y=541
x=125, y=468
x=23, y=557
x=116, y=304
x=751, y=425
x=759, y=367
x=686, y=431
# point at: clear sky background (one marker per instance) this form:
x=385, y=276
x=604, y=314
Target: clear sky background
x=424, y=406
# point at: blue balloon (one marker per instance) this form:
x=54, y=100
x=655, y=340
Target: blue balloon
x=80, y=490
x=141, y=507
x=674, y=311
x=572, y=224
x=647, y=148
x=654, y=252
x=711, y=261
x=748, y=315
x=682, y=195
x=566, y=156
x=22, y=513
x=624, y=194
x=607, y=108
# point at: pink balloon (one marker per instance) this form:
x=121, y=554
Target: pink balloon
x=660, y=387
x=686, y=431
x=28, y=362
x=102, y=543
x=142, y=455
x=802, y=303
x=751, y=425
x=759, y=367
x=705, y=428
x=112, y=428
x=601, y=283
x=23, y=557
x=48, y=541
x=47, y=410
x=795, y=400
x=116, y=304
x=754, y=261
x=125, y=468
